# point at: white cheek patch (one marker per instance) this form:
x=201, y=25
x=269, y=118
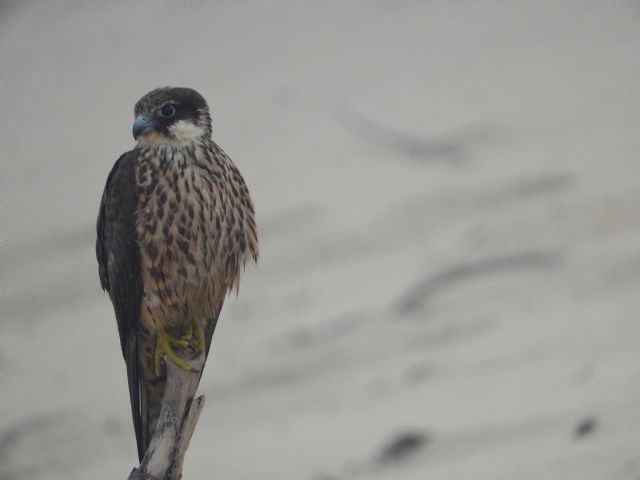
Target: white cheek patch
x=186, y=132
x=154, y=138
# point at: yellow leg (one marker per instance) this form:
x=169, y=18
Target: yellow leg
x=199, y=336
x=165, y=346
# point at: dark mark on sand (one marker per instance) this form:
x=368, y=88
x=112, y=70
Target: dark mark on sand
x=415, y=298
x=585, y=427
x=403, y=446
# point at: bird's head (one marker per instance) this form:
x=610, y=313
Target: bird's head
x=171, y=115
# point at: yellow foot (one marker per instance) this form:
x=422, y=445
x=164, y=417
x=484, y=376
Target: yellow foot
x=165, y=346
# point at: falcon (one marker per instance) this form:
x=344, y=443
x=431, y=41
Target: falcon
x=176, y=227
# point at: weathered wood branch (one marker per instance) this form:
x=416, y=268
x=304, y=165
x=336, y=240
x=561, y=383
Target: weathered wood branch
x=178, y=417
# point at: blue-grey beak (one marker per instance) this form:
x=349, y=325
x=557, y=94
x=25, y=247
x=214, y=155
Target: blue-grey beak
x=142, y=125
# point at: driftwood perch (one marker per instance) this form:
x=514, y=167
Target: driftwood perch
x=178, y=417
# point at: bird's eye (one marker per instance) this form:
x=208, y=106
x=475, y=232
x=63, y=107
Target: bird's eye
x=167, y=111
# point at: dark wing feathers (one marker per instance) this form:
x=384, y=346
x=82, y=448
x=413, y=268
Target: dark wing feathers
x=119, y=267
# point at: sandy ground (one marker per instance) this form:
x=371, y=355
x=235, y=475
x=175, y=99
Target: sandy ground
x=449, y=213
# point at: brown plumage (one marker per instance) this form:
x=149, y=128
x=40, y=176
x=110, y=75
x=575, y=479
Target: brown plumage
x=176, y=227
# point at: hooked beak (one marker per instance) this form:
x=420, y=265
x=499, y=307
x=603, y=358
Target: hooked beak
x=142, y=125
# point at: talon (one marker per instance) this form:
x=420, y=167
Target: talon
x=164, y=347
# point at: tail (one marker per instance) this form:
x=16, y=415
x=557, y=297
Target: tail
x=152, y=391
x=133, y=379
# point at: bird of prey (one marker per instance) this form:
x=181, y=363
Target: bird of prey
x=175, y=228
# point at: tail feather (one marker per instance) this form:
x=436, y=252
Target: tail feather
x=150, y=411
x=133, y=379
x=151, y=388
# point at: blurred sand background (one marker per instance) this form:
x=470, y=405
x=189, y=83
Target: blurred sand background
x=448, y=202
